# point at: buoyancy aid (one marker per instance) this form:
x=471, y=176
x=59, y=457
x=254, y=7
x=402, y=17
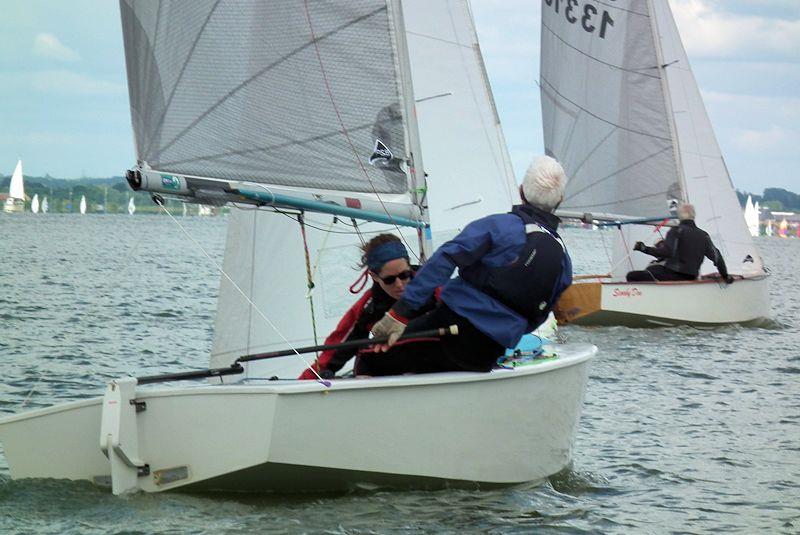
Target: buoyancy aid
x=533, y=282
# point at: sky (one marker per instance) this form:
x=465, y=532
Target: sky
x=64, y=103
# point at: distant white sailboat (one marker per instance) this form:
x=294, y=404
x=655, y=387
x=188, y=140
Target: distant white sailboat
x=83, y=204
x=768, y=231
x=35, y=204
x=45, y=206
x=16, y=192
x=185, y=210
x=131, y=206
x=751, y=216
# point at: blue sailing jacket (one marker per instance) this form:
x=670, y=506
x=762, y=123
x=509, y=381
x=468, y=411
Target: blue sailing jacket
x=491, y=242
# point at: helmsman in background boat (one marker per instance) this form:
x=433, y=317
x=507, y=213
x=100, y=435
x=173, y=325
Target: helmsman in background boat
x=681, y=253
x=512, y=269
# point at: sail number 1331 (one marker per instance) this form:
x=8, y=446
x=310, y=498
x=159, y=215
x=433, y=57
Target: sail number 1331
x=589, y=16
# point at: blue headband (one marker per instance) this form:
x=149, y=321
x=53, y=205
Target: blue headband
x=385, y=252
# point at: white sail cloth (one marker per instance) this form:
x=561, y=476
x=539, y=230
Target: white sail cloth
x=16, y=189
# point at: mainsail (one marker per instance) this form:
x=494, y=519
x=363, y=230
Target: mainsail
x=604, y=110
x=280, y=93
x=623, y=114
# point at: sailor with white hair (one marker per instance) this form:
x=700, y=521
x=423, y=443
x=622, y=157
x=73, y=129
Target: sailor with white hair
x=680, y=255
x=512, y=268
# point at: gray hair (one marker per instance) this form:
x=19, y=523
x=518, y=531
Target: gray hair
x=686, y=211
x=544, y=183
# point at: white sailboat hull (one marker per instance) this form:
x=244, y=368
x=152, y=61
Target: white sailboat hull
x=655, y=304
x=504, y=427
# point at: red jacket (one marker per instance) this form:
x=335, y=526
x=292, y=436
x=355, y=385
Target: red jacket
x=342, y=332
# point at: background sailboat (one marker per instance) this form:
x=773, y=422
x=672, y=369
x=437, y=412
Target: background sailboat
x=131, y=207
x=45, y=206
x=82, y=206
x=35, y=203
x=288, y=121
x=623, y=114
x=16, y=191
x=751, y=216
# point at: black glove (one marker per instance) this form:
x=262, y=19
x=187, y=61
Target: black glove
x=639, y=246
x=728, y=279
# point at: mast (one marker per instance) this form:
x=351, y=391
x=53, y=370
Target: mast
x=667, y=100
x=416, y=170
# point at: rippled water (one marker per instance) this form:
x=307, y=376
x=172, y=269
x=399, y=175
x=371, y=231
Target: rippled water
x=683, y=430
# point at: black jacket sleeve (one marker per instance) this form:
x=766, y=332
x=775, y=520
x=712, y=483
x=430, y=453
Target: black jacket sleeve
x=713, y=254
x=667, y=247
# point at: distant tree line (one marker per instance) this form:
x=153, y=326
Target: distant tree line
x=773, y=198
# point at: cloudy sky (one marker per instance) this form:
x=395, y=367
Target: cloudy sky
x=64, y=108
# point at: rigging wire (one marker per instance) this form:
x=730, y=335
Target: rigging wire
x=160, y=202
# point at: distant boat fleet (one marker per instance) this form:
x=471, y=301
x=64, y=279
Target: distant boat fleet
x=770, y=222
x=15, y=201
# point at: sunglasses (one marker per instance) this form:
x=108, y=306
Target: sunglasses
x=403, y=275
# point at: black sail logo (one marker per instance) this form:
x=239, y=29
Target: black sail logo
x=381, y=155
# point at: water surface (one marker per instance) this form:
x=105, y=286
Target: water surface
x=683, y=430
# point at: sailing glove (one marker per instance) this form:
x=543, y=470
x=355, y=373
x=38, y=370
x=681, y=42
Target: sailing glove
x=639, y=246
x=391, y=325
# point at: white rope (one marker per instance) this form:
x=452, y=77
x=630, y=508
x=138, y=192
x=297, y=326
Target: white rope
x=255, y=307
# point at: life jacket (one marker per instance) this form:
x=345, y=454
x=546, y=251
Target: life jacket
x=533, y=282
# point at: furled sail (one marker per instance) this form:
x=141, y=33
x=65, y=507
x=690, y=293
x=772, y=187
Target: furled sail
x=604, y=110
x=282, y=92
x=706, y=180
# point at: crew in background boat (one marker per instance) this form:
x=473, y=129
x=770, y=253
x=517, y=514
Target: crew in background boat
x=681, y=253
x=385, y=261
x=512, y=268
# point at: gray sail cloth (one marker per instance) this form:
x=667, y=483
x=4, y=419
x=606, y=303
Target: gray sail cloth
x=604, y=110
x=240, y=90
